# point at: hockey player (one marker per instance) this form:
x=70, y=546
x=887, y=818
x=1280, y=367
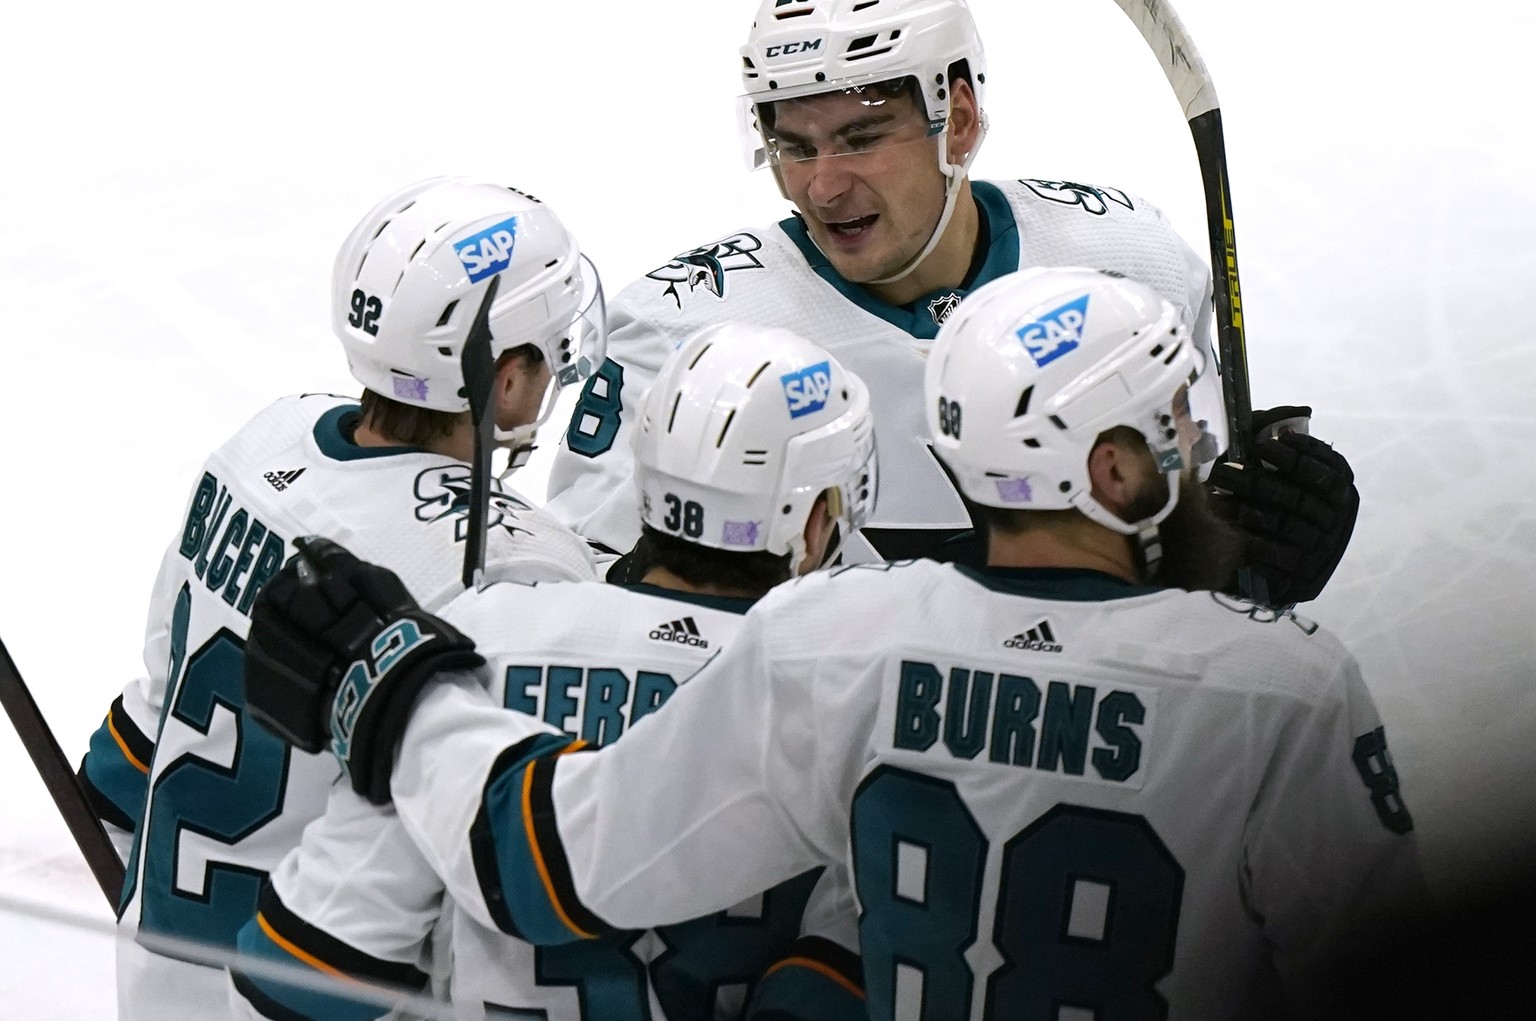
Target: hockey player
x=754, y=456
x=213, y=802
x=1059, y=784
x=869, y=116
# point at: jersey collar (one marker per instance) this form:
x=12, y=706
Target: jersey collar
x=730, y=604
x=921, y=318
x=333, y=435
x=1064, y=584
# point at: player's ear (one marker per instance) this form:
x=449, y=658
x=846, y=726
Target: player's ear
x=820, y=527
x=1119, y=468
x=964, y=120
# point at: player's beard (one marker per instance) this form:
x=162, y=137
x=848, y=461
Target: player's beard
x=1200, y=551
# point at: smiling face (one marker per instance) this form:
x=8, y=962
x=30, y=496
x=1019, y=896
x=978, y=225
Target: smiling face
x=862, y=168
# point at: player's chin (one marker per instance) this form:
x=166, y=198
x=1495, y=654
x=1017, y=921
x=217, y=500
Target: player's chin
x=864, y=266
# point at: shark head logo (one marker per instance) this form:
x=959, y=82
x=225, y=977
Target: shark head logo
x=1091, y=198
x=444, y=492
x=708, y=266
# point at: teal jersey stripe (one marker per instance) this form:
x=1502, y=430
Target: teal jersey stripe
x=276, y=999
x=505, y=861
x=118, y=782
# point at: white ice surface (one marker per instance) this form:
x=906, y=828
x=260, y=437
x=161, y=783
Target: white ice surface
x=175, y=179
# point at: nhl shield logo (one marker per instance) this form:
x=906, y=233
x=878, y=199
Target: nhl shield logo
x=941, y=308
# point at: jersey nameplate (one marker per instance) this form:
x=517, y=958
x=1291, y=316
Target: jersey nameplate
x=1096, y=732
x=592, y=703
x=228, y=546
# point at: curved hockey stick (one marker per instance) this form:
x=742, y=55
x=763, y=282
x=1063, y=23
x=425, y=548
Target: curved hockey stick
x=53, y=767
x=1181, y=63
x=479, y=380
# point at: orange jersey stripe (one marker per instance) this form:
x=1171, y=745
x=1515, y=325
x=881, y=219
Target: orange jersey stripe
x=823, y=969
x=142, y=767
x=307, y=958
x=538, y=855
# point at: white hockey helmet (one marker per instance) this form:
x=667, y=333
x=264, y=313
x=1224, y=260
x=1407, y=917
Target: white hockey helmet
x=744, y=427
x=800, y=48
x=410, y=279
x=1033, y=367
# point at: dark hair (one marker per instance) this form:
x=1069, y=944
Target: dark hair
x=413, y=426
x=408, y=424
x=756, y=571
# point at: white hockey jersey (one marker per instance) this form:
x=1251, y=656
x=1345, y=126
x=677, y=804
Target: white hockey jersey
x=1052, y=787
x=215, y=799
x=776, y=276
x=591, y=661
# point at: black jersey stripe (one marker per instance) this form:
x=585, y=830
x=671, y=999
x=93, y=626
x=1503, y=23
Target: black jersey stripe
x=827, y=957
x=330, y=952
x=518, y=857
x=137, y=747
x=482, y=835
x=546, y=835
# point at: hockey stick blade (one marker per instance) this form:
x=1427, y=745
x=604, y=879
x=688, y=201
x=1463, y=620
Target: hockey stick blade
x=48, y=758
x=1160, y=26
x=479, y=371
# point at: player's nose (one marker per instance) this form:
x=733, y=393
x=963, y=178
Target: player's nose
x=827, y=180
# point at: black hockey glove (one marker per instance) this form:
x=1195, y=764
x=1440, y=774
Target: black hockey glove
x=337, y=654
x=1296, y=502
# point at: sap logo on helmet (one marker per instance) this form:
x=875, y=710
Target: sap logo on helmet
x=807, y=390
x=785, y=49
x=1055, y=333
x=488, y=252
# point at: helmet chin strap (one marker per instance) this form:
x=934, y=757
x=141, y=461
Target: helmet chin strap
x=518, y=441
x=839, y=524
x=1148, y=540
x=954, y=179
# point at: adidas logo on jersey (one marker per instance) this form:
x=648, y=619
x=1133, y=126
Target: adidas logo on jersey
x=683, y=632
x=282, y=480
x=1039, y=638
x=1054, y=334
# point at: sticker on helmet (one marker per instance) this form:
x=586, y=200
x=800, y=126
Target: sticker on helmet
x=410, y=388
x=1054, y=334
x=1014, y=491
x=488, y=252
x=741, y=533
x=807, y=390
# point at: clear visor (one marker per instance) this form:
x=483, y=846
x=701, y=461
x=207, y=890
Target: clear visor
x=1192, y=430
x=574, y=355
x=848, y=119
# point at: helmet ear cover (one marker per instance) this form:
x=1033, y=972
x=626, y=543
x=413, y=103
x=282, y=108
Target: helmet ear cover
x=741, y=433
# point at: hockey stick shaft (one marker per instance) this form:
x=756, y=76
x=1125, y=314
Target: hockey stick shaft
x=479, y=370
x=1180, y=60
x=59, y=778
